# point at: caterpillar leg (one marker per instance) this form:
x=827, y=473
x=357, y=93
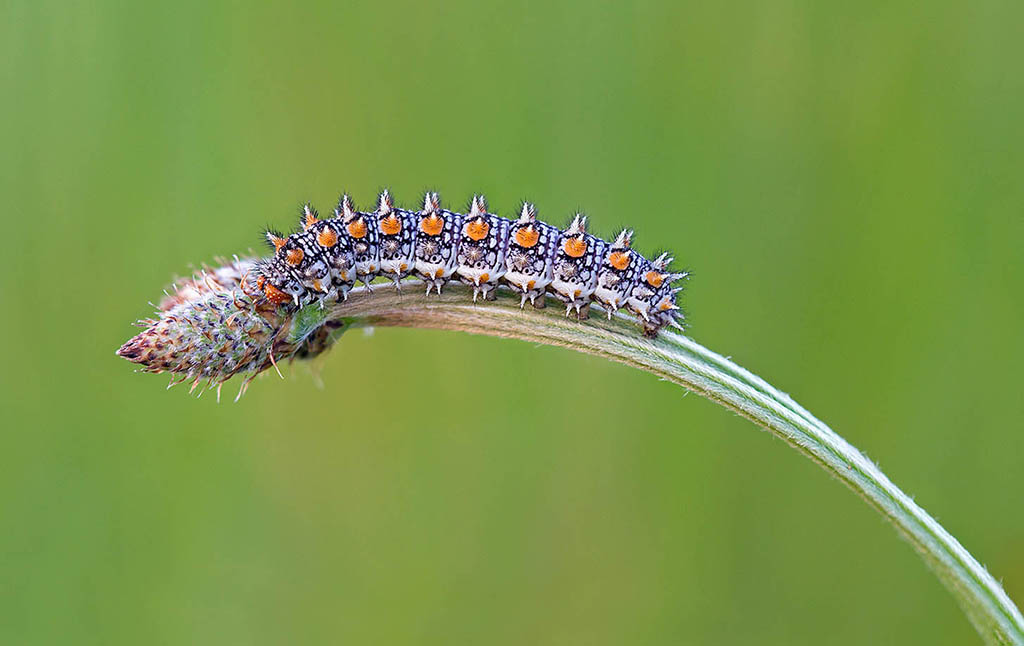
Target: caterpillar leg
x=580, y=307
x=434, y=284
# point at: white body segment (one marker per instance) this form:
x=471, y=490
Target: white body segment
x=530, y=255
x=481, y=255
x=576, y=265
x=396, y=230
x=437, y=243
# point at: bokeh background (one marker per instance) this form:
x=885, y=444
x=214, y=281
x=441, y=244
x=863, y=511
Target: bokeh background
x=843, y=178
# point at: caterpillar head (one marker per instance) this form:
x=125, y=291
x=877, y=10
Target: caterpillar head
x=277, y=281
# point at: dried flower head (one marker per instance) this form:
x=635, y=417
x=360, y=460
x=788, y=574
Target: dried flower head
x=209, y=328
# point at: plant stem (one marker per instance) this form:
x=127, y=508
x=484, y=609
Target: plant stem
x=687, y=363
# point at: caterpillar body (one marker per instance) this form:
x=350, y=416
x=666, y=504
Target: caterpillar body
x=325, y=258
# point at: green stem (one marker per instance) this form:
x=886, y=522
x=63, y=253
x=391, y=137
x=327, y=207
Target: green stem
x=687, y=363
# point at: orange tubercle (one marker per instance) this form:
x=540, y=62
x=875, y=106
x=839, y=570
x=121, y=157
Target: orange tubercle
x=477, y=229
x=654, y=279
x=484, y=278
x=327, y=238
x=618, y=259
x=527, y=237
x=575, y=247
x=357, y=228
x=310, y=219
x=439, y=273
x=294, y=256
x=390, y=225
x=432, y=224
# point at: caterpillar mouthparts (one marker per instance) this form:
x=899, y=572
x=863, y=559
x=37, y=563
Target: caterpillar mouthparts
x=238, y=318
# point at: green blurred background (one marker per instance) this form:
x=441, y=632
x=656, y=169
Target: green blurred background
x=843, y=178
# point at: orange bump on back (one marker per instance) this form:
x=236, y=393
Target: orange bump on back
x=327, y=238
x=618, y=259
x=310, y=219
x=477, y=229
x=654, y=279
x=294, y=257
x=432, y=224
x=391, y=225
x=357, y=228
x=527, y=237
x=575, y=247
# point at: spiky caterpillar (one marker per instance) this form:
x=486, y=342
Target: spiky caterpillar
x=325, y=258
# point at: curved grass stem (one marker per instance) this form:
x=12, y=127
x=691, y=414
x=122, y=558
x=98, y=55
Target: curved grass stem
x=690, y=365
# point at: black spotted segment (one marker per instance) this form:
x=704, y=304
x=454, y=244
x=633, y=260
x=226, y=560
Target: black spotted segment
x=619, y=272
x=397, y=239
x=483, y=238
x=362, y=233
x=326, y=257
x=335, y=245
x=530, y=256
x=437, y=243
x=577, y=262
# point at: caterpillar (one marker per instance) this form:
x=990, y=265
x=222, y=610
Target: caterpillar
x=325, y=257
